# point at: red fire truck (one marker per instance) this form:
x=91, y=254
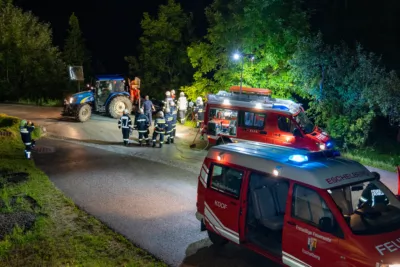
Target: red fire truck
x=297, y=207
x=253, y=115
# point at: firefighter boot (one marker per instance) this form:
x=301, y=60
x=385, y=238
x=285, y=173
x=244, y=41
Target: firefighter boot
x=154, y=144
x=161, y=145
x=147, y=142
x=168, y=141
x=172, y=140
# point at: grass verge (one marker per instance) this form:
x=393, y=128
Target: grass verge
x=374, y=158
x=62, y=234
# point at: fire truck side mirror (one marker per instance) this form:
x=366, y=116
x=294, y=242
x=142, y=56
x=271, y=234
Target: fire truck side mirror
x=297, y=133
x=326, y=225
x=376, y=175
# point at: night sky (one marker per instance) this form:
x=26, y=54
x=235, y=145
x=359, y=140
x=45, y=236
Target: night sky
x=112, y=28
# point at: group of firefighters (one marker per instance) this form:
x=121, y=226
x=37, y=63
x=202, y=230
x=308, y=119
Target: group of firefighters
x=165, y=122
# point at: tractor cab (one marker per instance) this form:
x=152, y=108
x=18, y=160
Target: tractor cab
x=106, y=86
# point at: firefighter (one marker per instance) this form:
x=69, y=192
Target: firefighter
x=26, y=128
x=159, y=128
x=169, y=102
x=148, y=108
x=182, y=106
x=173, y=94
x=199, y=110
x=168, y=126
x=125, y=123
x=142, y=125
x=372, y=195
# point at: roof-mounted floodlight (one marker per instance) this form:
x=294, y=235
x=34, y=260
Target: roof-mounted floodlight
x=298, y=158
x=258, y=105
x=226, y=102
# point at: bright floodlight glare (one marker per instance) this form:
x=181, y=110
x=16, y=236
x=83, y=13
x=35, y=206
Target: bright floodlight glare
x=236, y=56
x=275, y=172
x=298, y=158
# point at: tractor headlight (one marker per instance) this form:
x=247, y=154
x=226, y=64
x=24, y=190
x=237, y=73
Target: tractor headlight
x=71, y=99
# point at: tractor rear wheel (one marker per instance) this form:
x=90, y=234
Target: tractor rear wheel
x=118, y=105
x=83, y=113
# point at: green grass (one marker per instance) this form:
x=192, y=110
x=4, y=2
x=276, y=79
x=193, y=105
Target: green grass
x=375, y=158
x=190, y=123
x=64, y=235
x=42, y=102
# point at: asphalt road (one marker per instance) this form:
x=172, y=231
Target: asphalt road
x=150, y=203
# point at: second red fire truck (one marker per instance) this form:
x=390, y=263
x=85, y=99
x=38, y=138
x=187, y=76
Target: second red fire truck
x=251, y=114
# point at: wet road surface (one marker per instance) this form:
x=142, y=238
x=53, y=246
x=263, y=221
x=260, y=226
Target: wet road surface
x=150, y=203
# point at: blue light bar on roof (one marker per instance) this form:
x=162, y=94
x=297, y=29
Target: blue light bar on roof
x=298, y=158
x=281, y=107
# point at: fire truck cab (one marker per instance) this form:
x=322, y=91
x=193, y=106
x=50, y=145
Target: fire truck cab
x=298, y=208
x=253, y=115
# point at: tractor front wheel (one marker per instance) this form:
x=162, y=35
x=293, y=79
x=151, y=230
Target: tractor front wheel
x=118, y=105
x=83, y=113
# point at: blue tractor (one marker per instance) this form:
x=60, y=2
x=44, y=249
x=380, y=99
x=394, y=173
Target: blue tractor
x=107, y=97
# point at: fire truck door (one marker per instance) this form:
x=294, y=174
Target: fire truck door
x=222, y=201
x=304, y=243
x=253, y=126
x=283, y=135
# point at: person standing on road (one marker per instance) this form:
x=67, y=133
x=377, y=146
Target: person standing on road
x=182, y=106
x=125, y=123
x=26, y=128
x=168, y=126
x=142, y=125
x=159, y=128
x=148, y=109
x=199, y=110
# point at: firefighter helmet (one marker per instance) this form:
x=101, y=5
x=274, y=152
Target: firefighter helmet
x=126, y=111
x=167, y=93
x=23, y=123
x=160, y=114
x=172, y=92
x=182, y=94
x=141, y=111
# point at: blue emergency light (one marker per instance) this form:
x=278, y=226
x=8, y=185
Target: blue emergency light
x=280, y=106
x=298, y=158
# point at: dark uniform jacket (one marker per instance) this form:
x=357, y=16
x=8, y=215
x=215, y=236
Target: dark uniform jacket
x=142, y=123
x=26, y=134
x=159, y=125
x=125, y=122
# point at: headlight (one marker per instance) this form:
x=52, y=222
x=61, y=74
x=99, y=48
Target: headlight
x=387, y=265
x=71, y=99
x=322, y=146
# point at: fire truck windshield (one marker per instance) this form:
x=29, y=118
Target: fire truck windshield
x=304, y=122
x=369, y=208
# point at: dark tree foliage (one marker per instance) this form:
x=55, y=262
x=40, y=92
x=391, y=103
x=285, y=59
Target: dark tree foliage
x=30, y=66
x=163, y=62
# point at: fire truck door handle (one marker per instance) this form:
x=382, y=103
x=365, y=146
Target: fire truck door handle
x=263, y=132
x=233, y=203
x=291, y=223
x=278, y=134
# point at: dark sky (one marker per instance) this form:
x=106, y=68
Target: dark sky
x=112, y=28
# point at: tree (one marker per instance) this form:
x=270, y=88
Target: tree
x=163, y=62
x=75, y=53
x=349, y=88
x=268, y=29
x=30, y=66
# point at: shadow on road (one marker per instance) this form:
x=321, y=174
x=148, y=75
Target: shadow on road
x=204, y=254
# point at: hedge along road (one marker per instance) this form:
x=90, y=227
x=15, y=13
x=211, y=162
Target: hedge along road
x=151, y=203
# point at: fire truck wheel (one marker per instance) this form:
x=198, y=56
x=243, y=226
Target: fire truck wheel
x=216, y=239
x=118, y=105
x=83, y=113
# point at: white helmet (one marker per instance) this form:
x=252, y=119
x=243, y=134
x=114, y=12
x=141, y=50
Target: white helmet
x=167, y=110
x=141, y=111
x=126, y=111
x=182, y=94
x=173, y=92
x=167, y=93
x=199, y=101
x=160, y=114
x=199, y=98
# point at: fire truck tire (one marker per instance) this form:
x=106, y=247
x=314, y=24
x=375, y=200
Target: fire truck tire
x=216, y=239
x=118, y=105
x=83, y=113
x=223, y=141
